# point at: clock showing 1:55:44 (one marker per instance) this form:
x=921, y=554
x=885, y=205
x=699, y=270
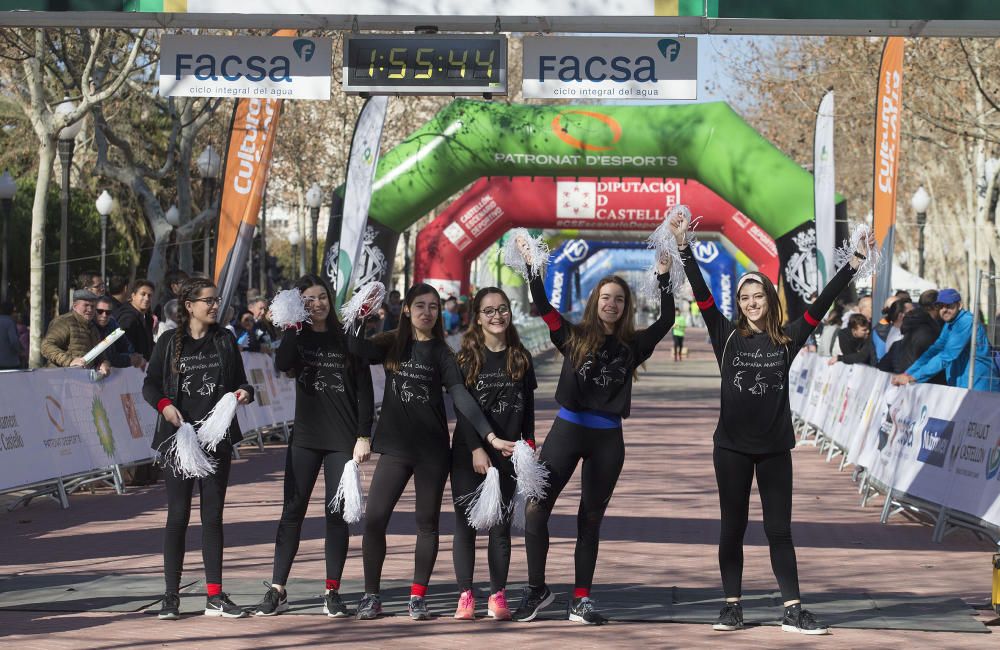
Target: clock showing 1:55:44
x=425, y=64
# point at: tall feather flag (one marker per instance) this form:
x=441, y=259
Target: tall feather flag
x=888, y=113
x=248, y=160
x=361, y=168
x=824, y=180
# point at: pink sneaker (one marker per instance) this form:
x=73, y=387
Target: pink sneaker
x=466, y=610
x=497, y=607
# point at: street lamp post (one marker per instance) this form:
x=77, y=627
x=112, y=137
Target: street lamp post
x=920, y=201
x=104, y=204
x=293, y=239
x=314, y=197
x=406, y=259
x=8, y=188
x=67, y=140
x=209, y=165
x=173, y=217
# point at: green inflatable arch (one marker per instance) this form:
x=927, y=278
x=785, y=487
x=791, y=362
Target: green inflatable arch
x=708, y=142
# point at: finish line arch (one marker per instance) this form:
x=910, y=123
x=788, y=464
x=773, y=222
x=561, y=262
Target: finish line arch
x=447, y=245
x=707, y=142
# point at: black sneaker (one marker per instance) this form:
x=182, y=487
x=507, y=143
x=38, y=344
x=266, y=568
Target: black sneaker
x=333, y=605
x=584, y=610
x=370, y=607
x=170, y=610
x=274, y=603
x=802, y=621
x=533, y=600
x=418, y=608
x=730, y=618
x=221, y=606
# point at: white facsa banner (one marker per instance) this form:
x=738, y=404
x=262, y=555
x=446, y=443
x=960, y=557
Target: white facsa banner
x=582, y=67
x=245, y=66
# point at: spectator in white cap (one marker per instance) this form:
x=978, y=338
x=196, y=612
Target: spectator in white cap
x=950, y=352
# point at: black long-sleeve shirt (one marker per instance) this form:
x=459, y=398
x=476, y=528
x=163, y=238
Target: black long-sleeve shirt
x=509, y=405
x=754, y=416
x=604, y=382
x=413, y=421
x=334, y=398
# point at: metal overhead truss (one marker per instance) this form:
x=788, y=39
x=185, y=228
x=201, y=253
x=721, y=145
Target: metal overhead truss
x=806, y=17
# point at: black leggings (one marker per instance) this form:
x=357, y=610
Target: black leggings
x=734, y=473
x=213, y=496
x=392, y=473
x=301, y=471
x=464, y=480
x=603, y=454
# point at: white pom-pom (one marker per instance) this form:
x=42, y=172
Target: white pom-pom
x=858, y=241
x=185, y=456
x=349, y=498
x=532, y=479
x=663, y=242
x=288, y=309
x=213, y=428
x=484, y=506
x=524, y=254
x=364, y=301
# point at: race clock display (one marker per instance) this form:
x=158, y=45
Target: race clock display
x=394, y=64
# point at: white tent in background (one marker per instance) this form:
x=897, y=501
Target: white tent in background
x=902, y=279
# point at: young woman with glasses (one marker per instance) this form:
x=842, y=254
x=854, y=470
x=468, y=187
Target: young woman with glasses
x=499, y=373
x=189, y=371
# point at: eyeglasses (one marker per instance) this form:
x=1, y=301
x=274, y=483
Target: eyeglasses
x=103, y=311
x=209, y=301
x=490, y=312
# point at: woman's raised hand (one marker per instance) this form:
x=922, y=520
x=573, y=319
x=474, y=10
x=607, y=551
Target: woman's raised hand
x=679, y=226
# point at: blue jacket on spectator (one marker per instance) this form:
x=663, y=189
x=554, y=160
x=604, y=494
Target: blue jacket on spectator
x=950, y=353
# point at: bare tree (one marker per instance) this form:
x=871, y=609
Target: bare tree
x=89, y=65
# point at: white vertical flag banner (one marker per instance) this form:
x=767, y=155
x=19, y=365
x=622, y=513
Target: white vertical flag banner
x=824, y=179
x=358, y=190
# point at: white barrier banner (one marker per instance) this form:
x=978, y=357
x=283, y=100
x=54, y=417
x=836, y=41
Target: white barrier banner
x=59, y=422
x=935, y=443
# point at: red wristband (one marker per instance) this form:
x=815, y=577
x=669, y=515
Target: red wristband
x=162, y=404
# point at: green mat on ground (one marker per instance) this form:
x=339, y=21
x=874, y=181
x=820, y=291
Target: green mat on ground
x=619, y=602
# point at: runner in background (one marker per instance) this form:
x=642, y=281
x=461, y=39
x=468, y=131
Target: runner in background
x=680, y=324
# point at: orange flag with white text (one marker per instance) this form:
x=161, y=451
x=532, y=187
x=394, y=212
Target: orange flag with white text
x=888, y=114
x=248, y=160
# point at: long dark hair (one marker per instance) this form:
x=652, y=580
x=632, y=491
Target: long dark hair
x=588, y=337
x=397, y=342
x=772, y=320
x=471, y=356
x=310, y=280
x=189, y=291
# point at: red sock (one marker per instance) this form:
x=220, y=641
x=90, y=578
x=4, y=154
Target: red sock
x=333, y=585
x=581, y=592
x=213, y=589
x=418, y=590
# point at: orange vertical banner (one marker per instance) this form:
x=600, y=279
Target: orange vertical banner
x=248, y=160
x=888, y=115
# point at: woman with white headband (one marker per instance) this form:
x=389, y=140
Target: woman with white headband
x=754, y=434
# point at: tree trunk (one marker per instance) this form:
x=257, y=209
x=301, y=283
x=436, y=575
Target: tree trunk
x=46, y=155
x=158, y=256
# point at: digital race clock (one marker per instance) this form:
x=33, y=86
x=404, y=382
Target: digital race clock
x=398, y=64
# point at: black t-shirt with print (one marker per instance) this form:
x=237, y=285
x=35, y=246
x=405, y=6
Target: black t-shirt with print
x=413, y=421
x=200, y=382
x=509, y=405
x=604, y=382
x=754, y=416
x=334, y=401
